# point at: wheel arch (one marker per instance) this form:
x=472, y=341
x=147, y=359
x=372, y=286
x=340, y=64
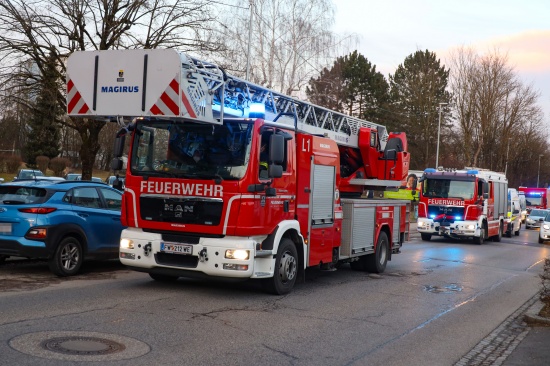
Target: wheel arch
x=287, y=229
x=59, y=232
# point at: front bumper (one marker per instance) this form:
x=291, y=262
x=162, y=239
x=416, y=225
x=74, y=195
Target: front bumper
x=457, y=229
x=207, y=257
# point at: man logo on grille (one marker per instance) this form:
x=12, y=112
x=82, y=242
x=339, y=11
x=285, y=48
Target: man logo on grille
x=188, y=209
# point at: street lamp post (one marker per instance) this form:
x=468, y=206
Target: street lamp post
x=438, y=134
x=507, y=151
x=538, y=173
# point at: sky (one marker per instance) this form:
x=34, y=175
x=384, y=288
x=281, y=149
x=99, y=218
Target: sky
x=391, y=30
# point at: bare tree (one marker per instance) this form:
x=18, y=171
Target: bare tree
x=495, y=111
x=290, y=41
x=32, y=29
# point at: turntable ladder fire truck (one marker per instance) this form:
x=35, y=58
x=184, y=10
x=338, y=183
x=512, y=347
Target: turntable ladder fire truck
x=461, y=204
x=228, y=179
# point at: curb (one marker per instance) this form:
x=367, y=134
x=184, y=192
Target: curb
x=532, y=316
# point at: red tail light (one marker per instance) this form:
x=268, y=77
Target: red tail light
x=38, y=210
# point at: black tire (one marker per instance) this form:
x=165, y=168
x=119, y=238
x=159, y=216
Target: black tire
x=509, y=231
x=479, y=240
x=541, y=241
x=498, y=237
x=516, y=233
x=286, y=269
x=376, y=263
x=68, y=258
x=163, y=278
x=3, y=259
x=426, y=237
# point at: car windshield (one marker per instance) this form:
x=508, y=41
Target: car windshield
x=446, y=188
x=21, y=195
x=533, y=201
x=191, y=150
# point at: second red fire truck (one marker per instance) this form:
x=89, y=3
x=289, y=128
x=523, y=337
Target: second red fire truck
x=463, y=204
x=536, y=197
x=228, y=179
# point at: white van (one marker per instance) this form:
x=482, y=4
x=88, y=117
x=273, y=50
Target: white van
x=523, y=206
x=514, y=213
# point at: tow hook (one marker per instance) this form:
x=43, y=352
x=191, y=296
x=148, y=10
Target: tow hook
x=147, y=249
x=203, y=255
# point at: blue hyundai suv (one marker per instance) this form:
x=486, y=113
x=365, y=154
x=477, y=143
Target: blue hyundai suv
x=62, y=222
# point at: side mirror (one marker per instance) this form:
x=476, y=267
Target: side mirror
x=515, y=212
x=275, y=171
x=116, y=163
x=485, y=196
x=119, y=146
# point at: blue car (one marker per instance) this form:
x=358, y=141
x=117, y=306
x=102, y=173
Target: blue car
x=62, y=222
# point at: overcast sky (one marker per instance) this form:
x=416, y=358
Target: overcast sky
x=390, y=30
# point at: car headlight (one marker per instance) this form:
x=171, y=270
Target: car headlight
x=420, y=224
x=470, y=227
x=126, y=244
x=240, y=254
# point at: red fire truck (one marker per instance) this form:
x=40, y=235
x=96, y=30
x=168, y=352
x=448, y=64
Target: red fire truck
x=468, y=203
x=228, y=179
x=536, y=197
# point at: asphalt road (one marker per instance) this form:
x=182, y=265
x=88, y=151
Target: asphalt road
x=435, y=302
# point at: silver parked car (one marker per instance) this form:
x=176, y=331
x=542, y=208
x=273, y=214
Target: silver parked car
x=535, y=218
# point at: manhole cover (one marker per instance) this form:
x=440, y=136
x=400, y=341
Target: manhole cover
x=83, y=346
x=79, y=346
x=448, y=289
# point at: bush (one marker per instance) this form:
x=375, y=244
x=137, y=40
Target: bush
x=42, y=163
x=58, y=165
x=12, y=163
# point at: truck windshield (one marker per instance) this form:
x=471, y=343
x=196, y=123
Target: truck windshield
x=446, y=188
x=191, y=150
x=533, y=201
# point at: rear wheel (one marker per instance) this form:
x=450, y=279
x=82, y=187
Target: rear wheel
x=286, y=269
x=376, y=263
x=68, y=258
x=426, y=237
x=498, y=237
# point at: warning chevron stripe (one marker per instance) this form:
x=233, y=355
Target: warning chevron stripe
x=76, y=104
x=167, y=103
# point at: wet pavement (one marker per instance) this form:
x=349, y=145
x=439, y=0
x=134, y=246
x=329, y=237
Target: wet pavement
x=522, y=339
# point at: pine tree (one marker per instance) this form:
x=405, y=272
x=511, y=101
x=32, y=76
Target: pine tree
x=44, y=135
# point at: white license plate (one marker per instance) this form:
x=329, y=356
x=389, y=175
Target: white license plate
x=176, y=248
x=5, y=228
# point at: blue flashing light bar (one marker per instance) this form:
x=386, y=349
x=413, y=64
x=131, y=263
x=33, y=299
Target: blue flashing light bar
x=432, y=216
x=257, y=110
x=472, y=171
x=430, y=170
x=534, y=194
x=458, y=217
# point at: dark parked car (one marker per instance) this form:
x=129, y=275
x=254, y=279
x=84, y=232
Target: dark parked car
x=62, y=222
x=28, y=174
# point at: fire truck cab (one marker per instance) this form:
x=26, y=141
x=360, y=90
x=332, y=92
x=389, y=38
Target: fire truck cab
x=463, y=204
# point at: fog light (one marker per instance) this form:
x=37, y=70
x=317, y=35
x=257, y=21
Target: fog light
x=127, y=255
x=36, y=233
x=240, y=254
x=235, y=267
x=126, y=244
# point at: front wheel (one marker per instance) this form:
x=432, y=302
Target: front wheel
x=541, y=241
x=68, y=258
x=286, y=269
x=376, y=263
x=426, y=237
x=516, y=233
x=3, y=258
x=479, y=240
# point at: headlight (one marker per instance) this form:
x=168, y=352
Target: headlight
x=470, y=227
x=126, y=244
x=240, y=254
x=420, y=224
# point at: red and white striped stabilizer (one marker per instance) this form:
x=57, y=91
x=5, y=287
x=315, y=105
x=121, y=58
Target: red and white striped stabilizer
x=167, y=103
x=76, y=104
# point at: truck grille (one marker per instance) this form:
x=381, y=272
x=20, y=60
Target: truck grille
x=181, y=210
x=446, y=213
